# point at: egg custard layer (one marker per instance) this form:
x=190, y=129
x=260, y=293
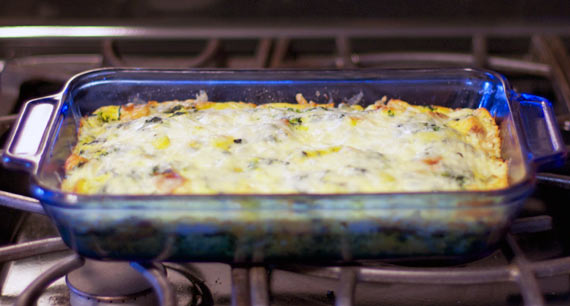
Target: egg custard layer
x=197, y=147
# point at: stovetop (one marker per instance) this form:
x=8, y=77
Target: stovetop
x=530, y=268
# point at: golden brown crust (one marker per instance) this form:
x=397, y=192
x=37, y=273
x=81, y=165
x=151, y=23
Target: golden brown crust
x=73, y=161
x=132, y=111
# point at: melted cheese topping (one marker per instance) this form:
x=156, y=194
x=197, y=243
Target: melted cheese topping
x=197, y=147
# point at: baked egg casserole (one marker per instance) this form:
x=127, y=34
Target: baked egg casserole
x=201, y=147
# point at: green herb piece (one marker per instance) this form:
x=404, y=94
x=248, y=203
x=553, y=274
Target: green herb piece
x=295, y=121
x=432, y=126
x=109, y=113
x=154, y=120
x=460, y=179
x=177, y=114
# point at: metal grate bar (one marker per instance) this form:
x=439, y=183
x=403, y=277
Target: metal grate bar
x=499, y=63
x=552, y=267
x=240, y=287
x=112, y=57
x=531, y=224
x=156, y=276
x=20, y=202
x=547, y=53
x=524, y=276
x=344, y=52
x=110, y=54
x=447, y=276
x=346, y=287
x=259, y=290
x=35, y=289
x=443, y=57
x=31, y=248
x=280, y=52
x=8, y=120
x=200, y=294
x=406, y=275
x=558, y=180
x=263, y=52
x=479, y=50
x=306, y=30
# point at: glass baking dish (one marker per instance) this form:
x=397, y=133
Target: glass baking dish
x=300, y=227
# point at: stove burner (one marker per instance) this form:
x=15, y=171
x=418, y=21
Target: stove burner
x=109, y=283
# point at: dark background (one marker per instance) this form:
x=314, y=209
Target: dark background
x=149, y=11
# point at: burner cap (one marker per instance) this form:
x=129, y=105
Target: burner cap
x=106, y=282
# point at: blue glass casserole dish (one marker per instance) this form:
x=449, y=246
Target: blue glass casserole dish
x=299, y=227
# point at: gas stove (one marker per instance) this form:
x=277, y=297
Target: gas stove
x=531, y=267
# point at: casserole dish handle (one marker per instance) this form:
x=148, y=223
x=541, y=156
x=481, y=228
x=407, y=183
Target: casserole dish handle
x=540, y=130
x=30, y=133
